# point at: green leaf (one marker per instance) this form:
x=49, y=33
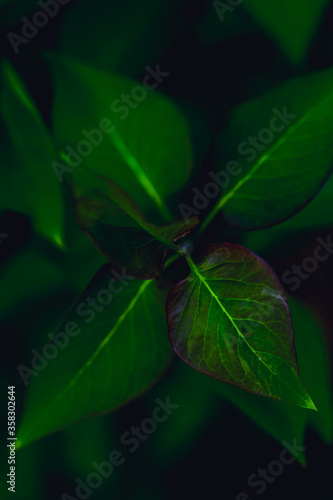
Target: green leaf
x=283, y=421
x=215, y=29
x=29, y=174
x=89, y=440
x=291, y=24
x=315, y=215
x=315, y=358
x=146, y=149
x=116, y=348
x=117, y=227
x=282, y=146
x=38, y=276
x=230, y=319
x=104, y=44
x=11, y=15
x=181, y=433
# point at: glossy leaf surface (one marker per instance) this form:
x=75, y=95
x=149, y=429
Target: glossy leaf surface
x=230, y=319
x=29, y=182
x=278, y=152
x=117, y=227
x=283, y=421
x=143, y=146
x=114, y=345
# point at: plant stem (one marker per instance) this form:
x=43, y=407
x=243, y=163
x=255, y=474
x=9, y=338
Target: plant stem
x=172, y=259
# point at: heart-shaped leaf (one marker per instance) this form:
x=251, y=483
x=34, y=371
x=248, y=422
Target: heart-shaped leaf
x=112, y=345
x=275, y=153
x=117, y=227
x=29, y=183
x=143, y=145
x=230, y=319
x=283, y=420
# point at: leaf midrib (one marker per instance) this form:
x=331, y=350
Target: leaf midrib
x=203, y=280
x=265, y=157
x=139, y=173
x=100, y=347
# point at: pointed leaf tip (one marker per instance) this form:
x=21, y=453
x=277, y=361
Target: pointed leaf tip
x=230, y=319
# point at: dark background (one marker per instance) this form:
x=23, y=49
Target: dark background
x=208, y=448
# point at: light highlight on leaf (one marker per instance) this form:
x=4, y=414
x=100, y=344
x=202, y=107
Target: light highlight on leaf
x=230, y=320
x=117, y=227
x=282, y=143
x=118, y=350
x=32, y=157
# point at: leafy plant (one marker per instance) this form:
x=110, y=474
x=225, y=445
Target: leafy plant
x=33, y=147
x=227, y=315
x=284, y=22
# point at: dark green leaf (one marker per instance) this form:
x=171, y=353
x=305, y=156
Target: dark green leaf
x=315, y=215
x=314, y=357
x=89, y=440
x=282, y=146
x=145, y=26
x=220, y=25
x=30, y=183
x=118, y=229
x=283, y=421
x=146, y=149
x=230, y=319
x=291, y=24
x=117, y=346
x=37, y=274
x=11, y=15
x=188, y=424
